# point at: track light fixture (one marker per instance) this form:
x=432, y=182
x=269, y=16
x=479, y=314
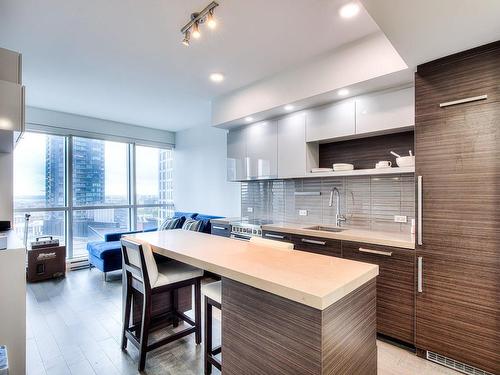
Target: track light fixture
x=192, y=28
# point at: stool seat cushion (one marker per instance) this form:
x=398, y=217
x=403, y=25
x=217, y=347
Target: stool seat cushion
x=213, y=291
x=174, y=272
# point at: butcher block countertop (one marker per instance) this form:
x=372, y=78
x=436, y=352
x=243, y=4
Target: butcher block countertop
x=311, y=279
x=403, y=240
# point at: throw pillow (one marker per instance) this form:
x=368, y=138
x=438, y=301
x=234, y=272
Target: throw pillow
x=193, y=225
x=171, y=223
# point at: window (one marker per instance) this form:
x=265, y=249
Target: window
x=39, y=183
x=79, y=189
x=154, y=183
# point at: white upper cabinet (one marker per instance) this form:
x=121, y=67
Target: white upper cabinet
x=331, y=121
x=262, y=150
x=10, y=66
x=292, y=151
x=236, y=155
x=385, y=110
x=11, y=106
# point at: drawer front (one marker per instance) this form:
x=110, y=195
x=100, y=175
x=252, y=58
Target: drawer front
x=395, y=286
x=223, y=230
x=276, y=236
x=317, y=245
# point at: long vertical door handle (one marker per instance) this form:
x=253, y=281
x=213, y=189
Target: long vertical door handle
x=420, y=211
x=420, y=282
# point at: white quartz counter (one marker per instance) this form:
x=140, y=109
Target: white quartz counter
x=311, y=279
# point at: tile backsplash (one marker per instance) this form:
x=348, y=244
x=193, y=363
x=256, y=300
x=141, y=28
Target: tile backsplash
x=367, y=202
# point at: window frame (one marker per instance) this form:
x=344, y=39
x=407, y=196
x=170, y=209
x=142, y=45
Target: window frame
x=69, y=208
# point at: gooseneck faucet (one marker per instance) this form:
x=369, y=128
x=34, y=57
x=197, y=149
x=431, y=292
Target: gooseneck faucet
x=338, y=217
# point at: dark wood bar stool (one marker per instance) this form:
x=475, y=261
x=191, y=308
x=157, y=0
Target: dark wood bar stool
x=212, y=298
x=144, y=276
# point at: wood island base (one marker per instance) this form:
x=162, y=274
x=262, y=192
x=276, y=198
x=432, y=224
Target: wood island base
x=263, y=333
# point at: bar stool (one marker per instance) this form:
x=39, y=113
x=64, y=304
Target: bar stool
x=213, y=298
x=144, y=276
x=212, y=293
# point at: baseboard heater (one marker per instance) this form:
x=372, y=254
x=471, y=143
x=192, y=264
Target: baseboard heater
x=77, y=264
x=455, y=365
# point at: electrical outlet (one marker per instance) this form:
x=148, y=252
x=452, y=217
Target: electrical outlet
x=249, y=209
x=400, y=219
x=302, y=212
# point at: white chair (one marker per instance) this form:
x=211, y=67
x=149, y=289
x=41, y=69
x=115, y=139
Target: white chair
x=144, y=276
x=271, y=243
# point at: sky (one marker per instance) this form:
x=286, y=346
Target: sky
x=29, y=167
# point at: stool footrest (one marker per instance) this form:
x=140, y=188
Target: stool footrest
x=171, y=338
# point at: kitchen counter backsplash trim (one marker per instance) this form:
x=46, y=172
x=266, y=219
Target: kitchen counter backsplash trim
x=367, y=202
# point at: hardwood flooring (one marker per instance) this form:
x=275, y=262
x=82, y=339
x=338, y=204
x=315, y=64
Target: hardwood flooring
x=73, y=327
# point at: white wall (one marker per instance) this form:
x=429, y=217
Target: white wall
x=200, y=173
x=44, y=119
x=365, y=59
x=6, y=186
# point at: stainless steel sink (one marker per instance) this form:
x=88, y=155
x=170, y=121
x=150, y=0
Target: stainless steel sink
x=325, y=229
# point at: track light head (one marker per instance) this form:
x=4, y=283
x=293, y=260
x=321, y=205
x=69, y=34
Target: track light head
x=195, y=32
x=211, y=22
x=186, y=39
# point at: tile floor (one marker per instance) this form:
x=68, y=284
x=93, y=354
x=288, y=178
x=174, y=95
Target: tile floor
x=73, y=327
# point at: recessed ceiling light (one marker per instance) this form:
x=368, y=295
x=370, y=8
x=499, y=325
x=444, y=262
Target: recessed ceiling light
x=349, y=10
x=216, y=77
x=288, y=107
x=248, y=119
x=343, y=92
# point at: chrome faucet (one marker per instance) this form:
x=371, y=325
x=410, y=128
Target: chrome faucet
x=338, y=217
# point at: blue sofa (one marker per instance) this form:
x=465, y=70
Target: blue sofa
x=107, y=256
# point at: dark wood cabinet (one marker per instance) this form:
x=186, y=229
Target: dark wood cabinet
x=395, y=286
x=276, y=236
x=458, y=161
x=317, y=245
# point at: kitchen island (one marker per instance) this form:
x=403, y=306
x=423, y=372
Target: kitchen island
x=286, y=312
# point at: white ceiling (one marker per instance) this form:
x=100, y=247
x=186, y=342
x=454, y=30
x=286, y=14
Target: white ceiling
x=424, y=30
x=122, y=60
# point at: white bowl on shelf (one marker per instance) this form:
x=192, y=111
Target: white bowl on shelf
x=337, y=167
x=406, y=161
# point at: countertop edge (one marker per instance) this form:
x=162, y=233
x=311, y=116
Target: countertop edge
x=342, y=236
x=307, y=299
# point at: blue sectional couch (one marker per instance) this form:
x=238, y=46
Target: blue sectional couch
x=106, y=255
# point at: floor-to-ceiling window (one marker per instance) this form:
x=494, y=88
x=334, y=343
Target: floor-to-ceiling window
x=79, y=189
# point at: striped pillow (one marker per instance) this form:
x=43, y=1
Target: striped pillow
x=171, y=223
x=194, y=225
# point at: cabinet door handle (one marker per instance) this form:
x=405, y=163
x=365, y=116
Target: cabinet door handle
x=466, y=100
x=378, y=252
x=420, y=282
x=219, y=228
x=274, y=236
x=314, y=242
x=420, y=229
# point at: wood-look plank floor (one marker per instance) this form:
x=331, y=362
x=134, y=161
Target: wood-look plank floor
x=73, y=327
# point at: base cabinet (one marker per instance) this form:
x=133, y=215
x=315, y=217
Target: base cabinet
x=395, y=286
x=395, y=283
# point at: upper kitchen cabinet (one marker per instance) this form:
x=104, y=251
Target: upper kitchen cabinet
x=11, y=114
x=331, y=121
x=385, y=111
x=236, y=155
x=262, y=150
x=292, y=152
x=10, y=66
